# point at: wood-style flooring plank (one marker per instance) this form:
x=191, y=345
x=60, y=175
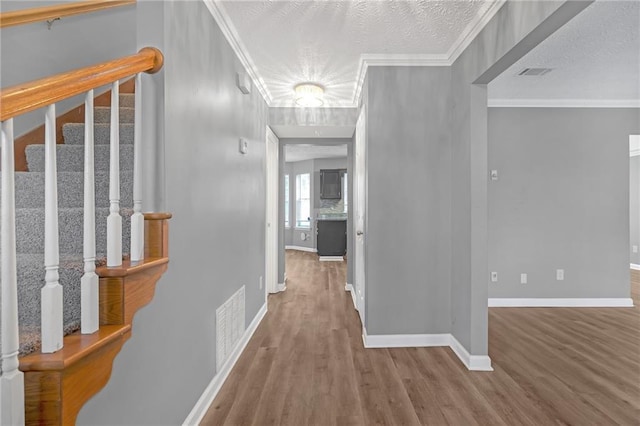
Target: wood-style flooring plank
x=306, y=365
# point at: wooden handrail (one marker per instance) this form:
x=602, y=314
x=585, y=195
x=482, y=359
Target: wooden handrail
x=39, y=14
x=22, y=98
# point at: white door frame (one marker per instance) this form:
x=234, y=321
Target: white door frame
x=359, y=213
x=271, y=231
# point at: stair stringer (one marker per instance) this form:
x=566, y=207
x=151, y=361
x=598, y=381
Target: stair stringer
x=58, y=385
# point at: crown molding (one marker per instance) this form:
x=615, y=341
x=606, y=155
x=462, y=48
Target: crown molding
x=423, y=60
x=223, y=20
x=473, y=29
x=564, y=103
x=394, y=60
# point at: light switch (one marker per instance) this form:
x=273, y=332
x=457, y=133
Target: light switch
x=494, y=277
x=494, y=175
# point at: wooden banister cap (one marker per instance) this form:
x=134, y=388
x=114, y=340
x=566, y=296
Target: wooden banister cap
x=157, y=216
x=158, y=59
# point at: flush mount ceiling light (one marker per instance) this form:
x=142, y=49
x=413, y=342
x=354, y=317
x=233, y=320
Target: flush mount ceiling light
x=309, y=95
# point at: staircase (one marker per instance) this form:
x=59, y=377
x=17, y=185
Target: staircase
x=46, y=379
x=30, y=216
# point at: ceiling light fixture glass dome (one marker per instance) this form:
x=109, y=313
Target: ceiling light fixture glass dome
x=309, y=95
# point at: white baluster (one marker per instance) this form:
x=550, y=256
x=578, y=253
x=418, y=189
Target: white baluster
x=114, y=221
x=89, y=284
x=12, y=380
x=137, y=220
x=51, y=315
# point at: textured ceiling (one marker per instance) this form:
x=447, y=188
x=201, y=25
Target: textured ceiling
x=596, y=56
x=290, y=42
x=307, y=152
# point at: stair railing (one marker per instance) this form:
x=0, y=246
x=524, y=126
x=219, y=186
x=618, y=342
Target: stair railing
x=23, y=98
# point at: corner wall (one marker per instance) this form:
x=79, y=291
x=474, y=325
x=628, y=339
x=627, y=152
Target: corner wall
x=561, y=201
x=217, y=234
x=408, y=260
x=515, y=30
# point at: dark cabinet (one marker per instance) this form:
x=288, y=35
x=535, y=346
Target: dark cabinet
x=332, y=237
x=330, y=184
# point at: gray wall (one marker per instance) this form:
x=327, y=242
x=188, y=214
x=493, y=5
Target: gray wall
x=33, y=51
x=284, y=234
x=634, y=185
x=350, y=252
x=408, y=262
x=216, y=235
x=561, y=201
x=514, y=31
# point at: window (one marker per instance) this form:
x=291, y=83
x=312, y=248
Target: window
x=303, y=200
x=286, y=201
x=345, y=193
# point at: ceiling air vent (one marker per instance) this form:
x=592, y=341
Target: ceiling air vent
x=535, y=71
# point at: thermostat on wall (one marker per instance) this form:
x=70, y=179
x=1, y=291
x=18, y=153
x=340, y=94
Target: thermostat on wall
x=244, y=146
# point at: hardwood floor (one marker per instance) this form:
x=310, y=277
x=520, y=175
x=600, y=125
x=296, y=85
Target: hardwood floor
x=306, y=365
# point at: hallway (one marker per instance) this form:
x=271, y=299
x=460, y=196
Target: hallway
x=306, y=364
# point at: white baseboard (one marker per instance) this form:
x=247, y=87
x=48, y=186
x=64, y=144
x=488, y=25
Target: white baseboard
x=349, y=287
x=635, y=267
x=331, y=259
x=406, y=340
x=200, y=409
x=560, y=303
x=282, y=286
x=472, y=362
x=300, y=248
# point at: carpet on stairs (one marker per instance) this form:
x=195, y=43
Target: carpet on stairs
x=30, y=216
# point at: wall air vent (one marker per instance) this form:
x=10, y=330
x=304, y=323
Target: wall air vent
x=535, y=71
x=230, y=326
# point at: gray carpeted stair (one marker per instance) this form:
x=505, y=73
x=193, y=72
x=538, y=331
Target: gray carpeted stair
x=30, y=226
x=103, y=115
x=29, y=187
x=73, y=133
x=70, y=158
x=30, y=216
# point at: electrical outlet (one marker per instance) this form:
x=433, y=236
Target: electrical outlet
x=523, y=278
x=560, y=274
x=494, y=277
x=635, y=249
x=260, y=282
x=494, y=175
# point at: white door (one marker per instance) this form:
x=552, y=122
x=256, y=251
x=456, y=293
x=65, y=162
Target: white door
x=359, y=197
x=271, y=244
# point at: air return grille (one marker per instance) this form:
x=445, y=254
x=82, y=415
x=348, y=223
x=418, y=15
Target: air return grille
x=535, y=71
x=229, y=326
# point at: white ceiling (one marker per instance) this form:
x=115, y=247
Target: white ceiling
x=287, y=42
x=301, y=152
x=594, y=57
